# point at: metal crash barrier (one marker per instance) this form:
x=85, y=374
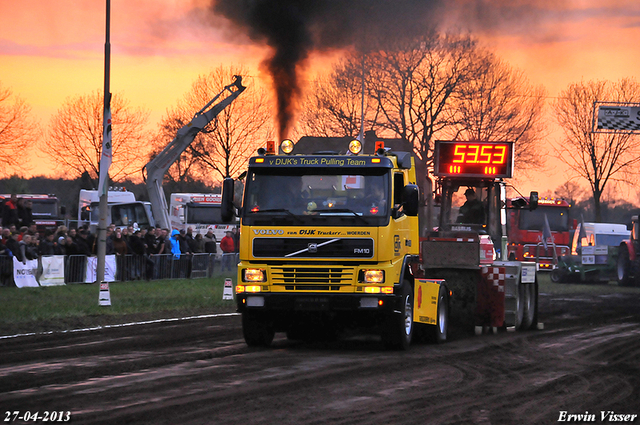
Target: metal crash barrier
x=77, y=268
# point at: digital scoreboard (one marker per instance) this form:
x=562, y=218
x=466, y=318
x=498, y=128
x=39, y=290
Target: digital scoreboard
x=473, y=159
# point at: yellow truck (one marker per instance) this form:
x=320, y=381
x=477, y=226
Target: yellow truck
x=330, y=239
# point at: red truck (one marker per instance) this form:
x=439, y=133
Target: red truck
x=46, y=210
x=526, y=228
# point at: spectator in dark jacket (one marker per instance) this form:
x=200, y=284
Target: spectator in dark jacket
x=184, y=243
x=47, y=245
x=210, y=242
x=13, y=245
x=83, y=244
x=25, y=213
x=10, y=212
x=136, y=243
x=61, y=246
x=70, y=246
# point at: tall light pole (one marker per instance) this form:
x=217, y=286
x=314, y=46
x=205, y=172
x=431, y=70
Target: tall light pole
x=105, y=159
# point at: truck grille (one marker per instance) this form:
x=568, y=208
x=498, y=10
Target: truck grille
x=312, y=248
x=312, y=278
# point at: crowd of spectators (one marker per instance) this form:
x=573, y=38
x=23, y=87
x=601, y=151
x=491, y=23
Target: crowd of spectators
x=19, y=237
x=27, y=244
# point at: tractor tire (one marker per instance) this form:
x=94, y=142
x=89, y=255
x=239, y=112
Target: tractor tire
x=624, y=267
x=398, y=329
x=257, y=329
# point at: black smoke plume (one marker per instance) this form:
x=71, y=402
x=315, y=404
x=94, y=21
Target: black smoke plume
x=295, y=28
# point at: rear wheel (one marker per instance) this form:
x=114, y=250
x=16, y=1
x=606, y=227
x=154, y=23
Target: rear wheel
x=257, y=329
x=530, y=305
x=398, y=330
x=520, y=302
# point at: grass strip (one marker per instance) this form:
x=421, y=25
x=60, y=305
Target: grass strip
x=26, y=310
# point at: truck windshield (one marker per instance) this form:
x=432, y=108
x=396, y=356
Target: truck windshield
x=204, y=214
x=44, y=208
x=534, y=220
x=331, y=198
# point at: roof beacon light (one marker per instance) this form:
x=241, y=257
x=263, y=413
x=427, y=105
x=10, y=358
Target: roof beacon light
x=286, y=146
x=271, y=147
x=355, y=146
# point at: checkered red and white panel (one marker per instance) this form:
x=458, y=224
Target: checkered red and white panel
x=496, y=276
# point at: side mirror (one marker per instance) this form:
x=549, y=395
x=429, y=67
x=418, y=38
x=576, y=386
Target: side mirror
x=533, y=201
x=227, y=210
x=63, y=210
x=411, y=199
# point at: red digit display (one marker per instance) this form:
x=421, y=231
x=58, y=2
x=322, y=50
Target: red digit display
x=474, y=159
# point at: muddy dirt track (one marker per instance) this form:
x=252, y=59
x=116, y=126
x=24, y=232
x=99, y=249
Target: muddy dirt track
x=199, y=371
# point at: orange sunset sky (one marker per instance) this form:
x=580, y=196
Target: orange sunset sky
x=52, y=50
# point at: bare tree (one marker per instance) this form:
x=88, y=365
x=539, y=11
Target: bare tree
x=225, y=145
x=599, y=158
x=333, y=105
x=570, y=191
x=17, y=129
x=74, y=137
x=498, y=104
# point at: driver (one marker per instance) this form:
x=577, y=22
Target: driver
x=472, y=211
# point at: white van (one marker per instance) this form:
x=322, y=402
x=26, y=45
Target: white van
x=602, y=235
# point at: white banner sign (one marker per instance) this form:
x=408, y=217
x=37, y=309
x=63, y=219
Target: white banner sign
x=52, y=270
x=109, y=269
x=24, y=274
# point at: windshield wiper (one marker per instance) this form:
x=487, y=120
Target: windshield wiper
x=342, y=210
x=279, y=210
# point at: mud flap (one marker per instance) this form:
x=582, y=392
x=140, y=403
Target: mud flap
x=490, y=297
x=426, y=300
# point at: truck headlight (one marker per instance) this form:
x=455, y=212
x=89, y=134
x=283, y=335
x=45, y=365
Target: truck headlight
x=254, y=275
x=373, y=276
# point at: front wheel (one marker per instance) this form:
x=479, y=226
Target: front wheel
x=558, y=276
x=441, y=328
x=398, y=330
x=257, y=329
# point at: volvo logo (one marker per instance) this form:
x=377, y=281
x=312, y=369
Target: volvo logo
x=268, y=231
x=313, y=248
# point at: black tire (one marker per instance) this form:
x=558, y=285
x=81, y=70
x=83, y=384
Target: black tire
x=520, y=305
x=398, y=330
x=529, y=321
x=440, y=330
x=624, y=267
x=558, y=276
x=257, y=329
